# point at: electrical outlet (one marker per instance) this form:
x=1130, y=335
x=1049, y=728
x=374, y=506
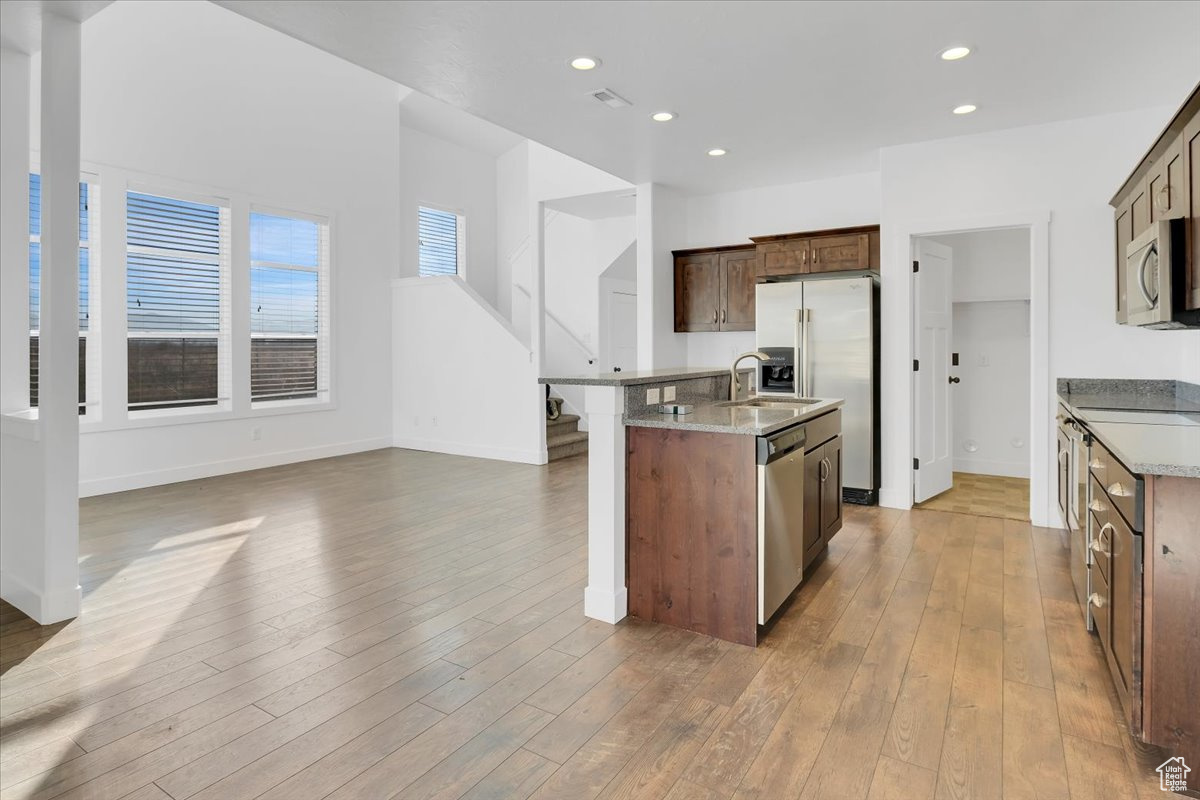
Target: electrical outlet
x=652, y=396
x=668, y=394
x=256, y=433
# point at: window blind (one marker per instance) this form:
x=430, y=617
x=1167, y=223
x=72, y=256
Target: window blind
x=288, y=276
x=175, y=252
x=35, y=284
x=438, y=233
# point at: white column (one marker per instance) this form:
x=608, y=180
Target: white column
x=58, y=368
x=14, y=230
x=537, y=314
x=606, y=597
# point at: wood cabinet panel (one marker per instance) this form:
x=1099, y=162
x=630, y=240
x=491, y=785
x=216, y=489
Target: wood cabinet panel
x=1139, y=208
x=1190, y=204
x=1123, y=219
x=1125, y=601
x=831, y=489
x=778, y=259
x=738, y=271
x=839, y=253
x=697, y=293
x=691, y=523
x=1171, y=715
x=814, y=542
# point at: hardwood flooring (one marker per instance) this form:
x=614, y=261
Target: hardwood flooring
x=409, y=625
x=984, y=496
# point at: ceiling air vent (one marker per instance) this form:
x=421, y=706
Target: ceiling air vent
x=611, y=98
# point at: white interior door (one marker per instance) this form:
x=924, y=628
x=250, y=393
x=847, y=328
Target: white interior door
x=622, y=331
x=932, y=413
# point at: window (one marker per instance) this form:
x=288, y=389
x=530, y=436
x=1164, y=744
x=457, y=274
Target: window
x=35, y=285
x=440, y=240
x=288, y=288
x=176, y=307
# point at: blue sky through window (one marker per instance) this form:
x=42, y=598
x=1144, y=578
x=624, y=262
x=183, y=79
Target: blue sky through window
x=284, y=300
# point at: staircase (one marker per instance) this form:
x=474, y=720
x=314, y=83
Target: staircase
x=563, y=437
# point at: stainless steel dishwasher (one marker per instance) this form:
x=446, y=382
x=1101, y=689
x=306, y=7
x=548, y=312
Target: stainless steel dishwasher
x=780, y=460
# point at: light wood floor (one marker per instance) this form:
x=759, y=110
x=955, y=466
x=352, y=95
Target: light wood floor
x=984, y=496
x=400, y=624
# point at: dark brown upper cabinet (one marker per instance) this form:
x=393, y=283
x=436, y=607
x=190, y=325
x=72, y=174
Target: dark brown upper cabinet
x=1164, y=185
x=838, y=250
x=714, y=289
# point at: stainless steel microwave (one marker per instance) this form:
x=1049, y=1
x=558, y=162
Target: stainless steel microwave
x=1154, y=274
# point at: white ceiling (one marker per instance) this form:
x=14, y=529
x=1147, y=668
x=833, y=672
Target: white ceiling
x=794, y=90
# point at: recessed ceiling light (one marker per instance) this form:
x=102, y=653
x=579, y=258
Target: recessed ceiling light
x=585, y=63
x=716, y=151
x=964, y=109
x=662, y=116
x=955, y=53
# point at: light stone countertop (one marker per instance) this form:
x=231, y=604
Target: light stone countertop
x=635, y=377
x=743, y=420
x=1146, y=448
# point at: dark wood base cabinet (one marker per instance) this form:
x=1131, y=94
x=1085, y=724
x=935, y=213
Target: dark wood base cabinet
x=692, y=531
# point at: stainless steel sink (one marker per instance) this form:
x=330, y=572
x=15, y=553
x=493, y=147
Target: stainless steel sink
x=790, y=403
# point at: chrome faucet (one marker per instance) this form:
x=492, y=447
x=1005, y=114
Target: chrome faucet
x=734, y=383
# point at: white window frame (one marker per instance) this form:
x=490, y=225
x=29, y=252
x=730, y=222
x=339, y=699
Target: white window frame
x=91, y=386
x=324, y=270
x=460, y=239
x=224, y=335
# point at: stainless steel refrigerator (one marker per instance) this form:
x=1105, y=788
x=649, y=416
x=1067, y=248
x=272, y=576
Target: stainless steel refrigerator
x=823, y=338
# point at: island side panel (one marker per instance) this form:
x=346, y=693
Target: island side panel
x=1171, y=678
x=692, y=531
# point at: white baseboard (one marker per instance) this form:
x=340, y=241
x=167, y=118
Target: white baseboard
x=472, y=450
x=141, y=480
x=44, y=609
x=892, y=498
x=604, y=605
x=983, y=466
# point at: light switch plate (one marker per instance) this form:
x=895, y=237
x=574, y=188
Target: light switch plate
x=652, y=396
x=668, y=394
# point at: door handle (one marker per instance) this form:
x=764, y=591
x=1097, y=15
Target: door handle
x=722, y=315
x=954, y=379
x=1152, y=302
x=825, y=469
x=714, y=317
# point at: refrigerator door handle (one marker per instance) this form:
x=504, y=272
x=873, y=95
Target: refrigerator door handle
x=803, y=359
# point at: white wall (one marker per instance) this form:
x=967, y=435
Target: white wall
x=989, y=265
x=266, y=117
x=991, y=405
x=1067, y=169
x=733, y=217
x=662, y=217
x=475, y=393
x=437, y=173
x=512, y=220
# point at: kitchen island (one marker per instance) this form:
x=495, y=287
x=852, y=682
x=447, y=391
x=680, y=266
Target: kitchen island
x=726, y=507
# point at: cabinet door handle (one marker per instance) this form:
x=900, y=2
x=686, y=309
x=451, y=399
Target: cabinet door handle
x=804, y=256
x=826, y=469
x=1097, y=506
x=1098, y=548
x=1118, y=490
x=1164, y=193
x=722, y=315
x=1096, y=600
x=816, y=256
x=714, y=317
x=1062, y=455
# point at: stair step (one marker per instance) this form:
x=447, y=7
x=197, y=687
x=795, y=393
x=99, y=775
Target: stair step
x=566, y=438
x=564, y=424
x=567, y=449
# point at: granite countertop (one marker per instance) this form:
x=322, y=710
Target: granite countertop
x=1167, y=443
x=744, y=420
x=635, y=377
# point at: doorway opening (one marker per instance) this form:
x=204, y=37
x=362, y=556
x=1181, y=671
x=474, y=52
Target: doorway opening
x=973, y=372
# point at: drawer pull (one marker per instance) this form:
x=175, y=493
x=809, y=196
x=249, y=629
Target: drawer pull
x=1097, y=506
x=1097, y=548
x=1118, y=490
x=1095, y=599
x=1096, y=464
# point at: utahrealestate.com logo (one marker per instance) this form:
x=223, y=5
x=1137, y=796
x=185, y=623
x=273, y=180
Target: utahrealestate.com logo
x=1172, y=775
